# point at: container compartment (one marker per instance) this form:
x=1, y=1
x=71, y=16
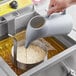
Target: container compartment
x=6, y=45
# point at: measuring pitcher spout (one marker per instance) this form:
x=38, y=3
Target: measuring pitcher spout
x=39, y=27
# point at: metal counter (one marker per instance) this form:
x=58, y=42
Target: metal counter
x=53, y=66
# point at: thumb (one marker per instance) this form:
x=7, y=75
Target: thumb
x=52, y=10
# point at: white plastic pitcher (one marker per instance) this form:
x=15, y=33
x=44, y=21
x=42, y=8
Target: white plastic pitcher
x=39, y=27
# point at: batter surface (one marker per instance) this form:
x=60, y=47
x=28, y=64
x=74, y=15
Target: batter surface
x=33, y=54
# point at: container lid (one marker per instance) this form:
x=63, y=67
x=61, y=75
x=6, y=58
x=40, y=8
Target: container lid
x=41, y=7
x=72, y=34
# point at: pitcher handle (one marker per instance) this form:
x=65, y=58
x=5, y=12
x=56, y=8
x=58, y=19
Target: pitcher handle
x=63, y=13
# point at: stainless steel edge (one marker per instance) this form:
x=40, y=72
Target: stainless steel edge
x=7, y=70
x=49, y=63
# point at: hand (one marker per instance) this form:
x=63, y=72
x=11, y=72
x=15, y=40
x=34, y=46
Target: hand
x=58, y=5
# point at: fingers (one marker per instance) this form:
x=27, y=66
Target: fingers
x=57, y=6
x=55, y=9
x=52, y=10
x=52, y=7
